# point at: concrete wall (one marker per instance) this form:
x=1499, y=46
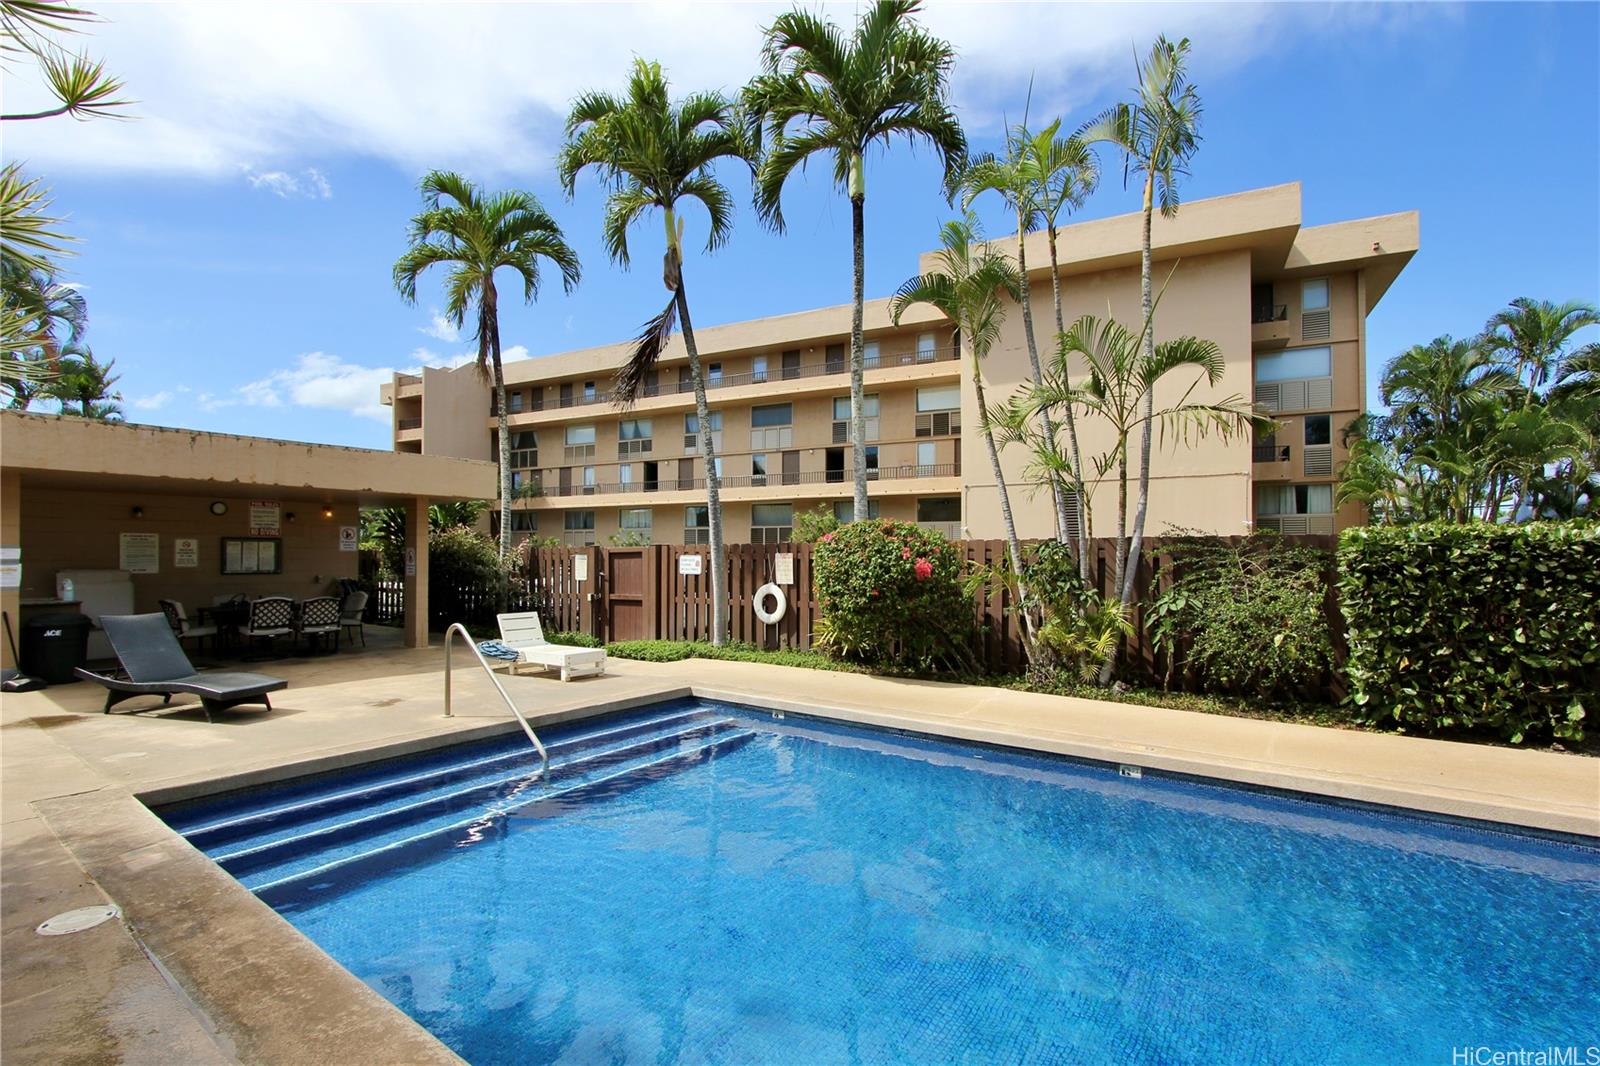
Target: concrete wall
x=80, y=529
x=1203, y=485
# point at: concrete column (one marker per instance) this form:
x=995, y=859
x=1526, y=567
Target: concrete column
x=416, y=575
x=10, y=537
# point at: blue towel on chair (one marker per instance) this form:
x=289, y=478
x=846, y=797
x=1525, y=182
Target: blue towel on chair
x=497, y=649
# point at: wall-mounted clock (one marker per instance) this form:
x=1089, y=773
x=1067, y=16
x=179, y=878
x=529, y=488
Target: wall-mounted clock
x=219, y=508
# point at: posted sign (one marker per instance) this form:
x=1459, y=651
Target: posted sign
x=349, y=538
x=264, y=518
x=689, y=565
x=783, y=568
x=185, y=552
x=139, y=553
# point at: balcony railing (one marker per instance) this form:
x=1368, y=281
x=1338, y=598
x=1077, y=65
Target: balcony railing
x=407, y=379
x=1270, y=453
x=1274, y=313
x=408, y=423
x=778, y=374
x=749, y=481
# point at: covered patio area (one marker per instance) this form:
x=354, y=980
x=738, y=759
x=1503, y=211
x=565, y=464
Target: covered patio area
x=100, y=517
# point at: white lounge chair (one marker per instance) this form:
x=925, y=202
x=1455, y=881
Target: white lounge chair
x=524, y=634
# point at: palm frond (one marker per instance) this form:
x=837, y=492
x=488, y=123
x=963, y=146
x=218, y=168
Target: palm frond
x=648, y=345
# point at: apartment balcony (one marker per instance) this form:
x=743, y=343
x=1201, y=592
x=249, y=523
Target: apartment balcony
x=1269, y=326
x=909, y=479
x=1269, y=453
x=940, y=364
x=1281, y=462
x=407, y=385
x=408, y=429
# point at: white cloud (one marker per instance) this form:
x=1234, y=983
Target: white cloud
x=223, y=86
x=316, y=379
x=441, y=328
x=154, y=402
x=310, y=184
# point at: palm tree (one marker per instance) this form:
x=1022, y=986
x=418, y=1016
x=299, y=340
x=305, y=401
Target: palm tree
x=82, y=380
x=42, y=319
x=655, y=155
x=1038, y=176
x=472, y=234
x=822, y=94
x=1530, y=337
x=1157, y=134
x=969, y=287
x=1123, y=378
x=82, y=87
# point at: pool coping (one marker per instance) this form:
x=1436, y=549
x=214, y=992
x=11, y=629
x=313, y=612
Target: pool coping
x=220, y=944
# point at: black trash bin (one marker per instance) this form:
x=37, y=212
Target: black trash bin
x=53, y=644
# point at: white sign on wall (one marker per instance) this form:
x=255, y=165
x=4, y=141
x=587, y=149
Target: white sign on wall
x=580, y=568
x=783, y=568
x=689, y=565
x=185, y=552
x=139, y=553
x=411, y=562
x=10, y=568
x=264, y=518
x=349, y=538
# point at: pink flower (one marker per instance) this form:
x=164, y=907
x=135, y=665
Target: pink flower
x=924, y=569
x=905, y=553
x=826, y=537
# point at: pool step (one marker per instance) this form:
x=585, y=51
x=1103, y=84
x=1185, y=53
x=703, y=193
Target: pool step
x=402, y=845
x=228, y=835
x=521, y=784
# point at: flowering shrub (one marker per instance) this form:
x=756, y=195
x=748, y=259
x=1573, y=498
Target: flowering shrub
x=891, y=593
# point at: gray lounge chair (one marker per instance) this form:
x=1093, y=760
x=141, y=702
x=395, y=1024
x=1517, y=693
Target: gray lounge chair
x=154, y=665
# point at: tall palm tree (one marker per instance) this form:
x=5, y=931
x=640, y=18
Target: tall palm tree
x=41, y=319
x=1530, y=337
x=472, y=234
x=655, y=155
x=1157, y=134
x=821, y=93
x=1122, y=381
x=1037, y=177
x=970, y=287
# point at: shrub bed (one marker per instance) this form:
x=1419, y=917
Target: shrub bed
x=890, y=593
x=671, y=651
x=1476, y=627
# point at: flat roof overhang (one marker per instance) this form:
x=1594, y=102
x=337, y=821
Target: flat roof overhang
x=67, y=452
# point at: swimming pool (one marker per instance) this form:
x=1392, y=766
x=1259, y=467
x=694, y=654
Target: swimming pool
x=703, y=882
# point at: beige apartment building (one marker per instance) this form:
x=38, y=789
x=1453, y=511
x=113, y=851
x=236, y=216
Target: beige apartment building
x=1286, y=304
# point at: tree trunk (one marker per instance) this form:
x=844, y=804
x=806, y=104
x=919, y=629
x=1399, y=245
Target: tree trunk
x=1083, y=546
x=719, y=567
x=489, y=327
x=1057, y=496
x=1145, y=309
x=1013, y=545
x=1121, y=562
x=858, y=415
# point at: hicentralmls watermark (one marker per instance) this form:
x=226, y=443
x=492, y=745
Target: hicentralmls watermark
x=1483, y=1055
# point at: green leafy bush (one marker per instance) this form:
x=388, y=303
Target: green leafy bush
x=890, y=593
x=811, y=526
x=652, y=651
x=573, y=639
x=1474, y=626
x=1246, y=617
x=1077, y=628
x=671, y=651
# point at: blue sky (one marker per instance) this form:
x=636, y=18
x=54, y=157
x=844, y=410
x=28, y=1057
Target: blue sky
x=238, y=237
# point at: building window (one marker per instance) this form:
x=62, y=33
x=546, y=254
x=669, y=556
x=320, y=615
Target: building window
x=580, y=442
x=771, y=427
x=634, y=437
x=758, y=469
x=637, y=520
x=697, y=525
x=691, y=432
x=625, y=476
x=844, y=511
x=927, y=346
x=1293, y=364
x=872, y=462
x=869, y=354
x=1272, y=500
x=1314, y=295
x=578, y=527
x=1319, y=429
x=938, y=411
x=927, y=456
x=758, y=369
x=939, y=509
x=776, y=414
x=841, y=417
x=588, y=480
x=524, y=521
x=588, y=392
x=714, y=374
x=771, y=523
x=513, y=402
x=525, y=449
x=1316, y=320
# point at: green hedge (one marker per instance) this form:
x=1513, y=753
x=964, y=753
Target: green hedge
x=671, y=651
x=1476, y=627
x=573, y=639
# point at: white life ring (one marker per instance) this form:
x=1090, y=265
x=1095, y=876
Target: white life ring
x=780, y=605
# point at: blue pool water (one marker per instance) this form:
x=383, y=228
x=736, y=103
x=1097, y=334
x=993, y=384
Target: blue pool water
x=699, y=882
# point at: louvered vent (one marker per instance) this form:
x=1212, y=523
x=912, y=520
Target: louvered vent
x=1269, y=397
x=1316, y=325
x=841, y=432
x=1305, y=394
x=939, y=424
x=640, y=446
x=1319, y=393
x=1318, y=460
x=575, y=452
x=691, y=442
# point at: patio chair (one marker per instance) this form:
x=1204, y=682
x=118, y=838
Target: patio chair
x=523, y=633
x=354, y=614
x=153, y=664
x=319, y=618
x=178, y=619
x=270, y=617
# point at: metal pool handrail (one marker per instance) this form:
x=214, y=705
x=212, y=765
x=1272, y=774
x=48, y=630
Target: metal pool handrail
x=544, y=758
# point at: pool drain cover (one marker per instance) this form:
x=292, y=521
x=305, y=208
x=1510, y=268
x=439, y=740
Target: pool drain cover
x=77, y=921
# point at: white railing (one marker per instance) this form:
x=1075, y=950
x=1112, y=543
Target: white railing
x=544, y=758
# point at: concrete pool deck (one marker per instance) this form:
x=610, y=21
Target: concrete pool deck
x=199, y=971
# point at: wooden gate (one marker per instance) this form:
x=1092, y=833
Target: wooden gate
x=629, y=591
